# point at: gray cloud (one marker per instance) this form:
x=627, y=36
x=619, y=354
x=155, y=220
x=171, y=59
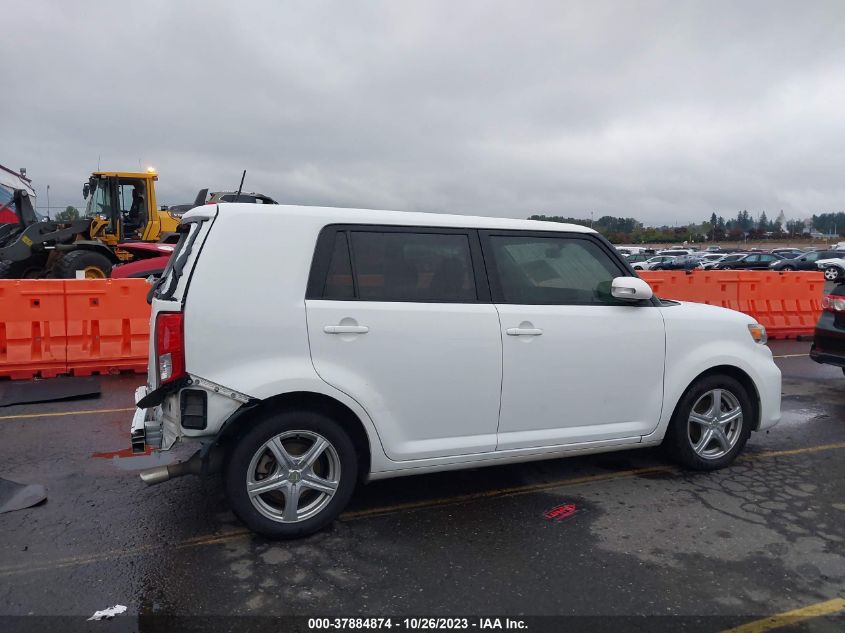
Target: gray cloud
x=665, y=111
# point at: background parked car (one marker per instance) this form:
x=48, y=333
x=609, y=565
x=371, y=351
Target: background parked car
x=635, y=258
x=710, y=258
x=232, y=196
x=751, y=261
x=684, y=262
x=726, y=258
x=788, y=253
x=833, y=268
x=650, y=263
x=807, y=261
x=829, y=340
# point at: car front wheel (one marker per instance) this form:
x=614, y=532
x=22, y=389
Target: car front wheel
x=711, y=423
x=292, y=474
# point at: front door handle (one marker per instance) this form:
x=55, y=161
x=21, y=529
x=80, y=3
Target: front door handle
x=523, y=331
x=346, y=329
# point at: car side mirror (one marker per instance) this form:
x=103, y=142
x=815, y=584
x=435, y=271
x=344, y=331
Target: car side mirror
x=630, y=289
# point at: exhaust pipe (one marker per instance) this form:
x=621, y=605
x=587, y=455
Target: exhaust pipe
x=192, y=466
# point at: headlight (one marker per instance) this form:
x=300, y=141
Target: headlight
x=758, y=333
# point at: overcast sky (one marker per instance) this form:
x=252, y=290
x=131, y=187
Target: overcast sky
x=664, y=111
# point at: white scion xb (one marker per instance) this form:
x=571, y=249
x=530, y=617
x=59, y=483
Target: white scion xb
x=308, y=348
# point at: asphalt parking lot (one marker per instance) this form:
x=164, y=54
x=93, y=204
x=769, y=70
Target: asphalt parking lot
x=763, y=537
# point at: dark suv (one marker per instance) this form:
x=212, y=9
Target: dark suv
x=807, y=261
x=829, y=341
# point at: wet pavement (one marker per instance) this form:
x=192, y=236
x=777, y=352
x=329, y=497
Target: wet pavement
x=644, y=538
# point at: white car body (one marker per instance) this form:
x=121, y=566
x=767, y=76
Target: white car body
x=834, y=262
x=676, y=252
x=631, y=250
x=652, y=262
x=435, y=386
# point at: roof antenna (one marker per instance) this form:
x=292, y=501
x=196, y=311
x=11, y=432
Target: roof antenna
x=241, y=186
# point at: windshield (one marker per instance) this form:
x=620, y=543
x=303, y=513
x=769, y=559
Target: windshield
x=100, y=201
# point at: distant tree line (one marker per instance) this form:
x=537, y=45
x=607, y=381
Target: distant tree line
x=743, y=227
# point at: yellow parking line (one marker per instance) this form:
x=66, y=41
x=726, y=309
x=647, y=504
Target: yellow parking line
x=790, y=617
x=23, y=416
x=217, y=539
x=791, y=355
x=792, y=451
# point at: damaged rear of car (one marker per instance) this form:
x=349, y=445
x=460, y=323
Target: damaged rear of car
x=176, y=404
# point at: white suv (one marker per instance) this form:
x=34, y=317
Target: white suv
x=311, y=348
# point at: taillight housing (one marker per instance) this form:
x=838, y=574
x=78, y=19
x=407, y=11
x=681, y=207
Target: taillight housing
x=170, y=346
x=833, y=303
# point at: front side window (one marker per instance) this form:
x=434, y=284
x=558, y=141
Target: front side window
x=553, y=270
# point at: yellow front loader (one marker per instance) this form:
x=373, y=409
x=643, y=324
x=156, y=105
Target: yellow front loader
x=121, y=217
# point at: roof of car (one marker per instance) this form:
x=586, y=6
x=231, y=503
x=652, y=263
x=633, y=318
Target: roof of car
x=336, y=215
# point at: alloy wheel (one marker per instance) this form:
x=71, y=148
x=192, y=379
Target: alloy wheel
x=715, y=424
x=293, y=476
x=831, y=273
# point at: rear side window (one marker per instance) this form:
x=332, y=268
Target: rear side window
x=553, y=270
x=397, y=265
x=418, y=267
x=339, y=279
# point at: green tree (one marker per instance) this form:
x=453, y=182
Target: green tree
x=68, y=215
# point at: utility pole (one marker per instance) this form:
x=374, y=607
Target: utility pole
x=48, y=202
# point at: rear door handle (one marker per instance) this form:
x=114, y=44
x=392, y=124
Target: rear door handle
x=346, y=329
x=523, y=331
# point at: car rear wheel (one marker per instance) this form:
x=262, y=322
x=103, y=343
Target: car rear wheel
x=292, y=474
x=831, y=273
x=711, y=423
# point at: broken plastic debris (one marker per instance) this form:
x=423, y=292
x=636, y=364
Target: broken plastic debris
x=561, y=512
x=107, y=614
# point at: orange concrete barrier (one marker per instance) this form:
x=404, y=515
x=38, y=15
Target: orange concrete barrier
x=32, y=328
x=108, y=325
x=787, y=303
x=718, y=288
x=51, y=327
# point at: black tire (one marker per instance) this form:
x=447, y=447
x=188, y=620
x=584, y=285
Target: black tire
x=30, y=268
x=249, y=444
x=678, y=440
x=82, y=259
x=832, y=273
x=789, y=268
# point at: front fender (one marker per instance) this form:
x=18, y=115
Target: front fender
x=755, y=361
